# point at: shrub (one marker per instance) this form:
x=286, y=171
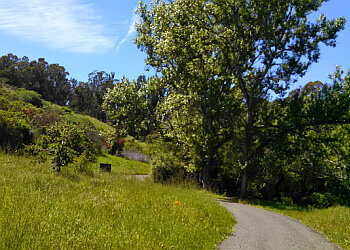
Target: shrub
x=48, y=118
x=166, y=168
x=31, y=97
x=14, y=131
x=168, y=164
x=80, y=163
x=320, y=200
x=115, y=141
x=63, y=142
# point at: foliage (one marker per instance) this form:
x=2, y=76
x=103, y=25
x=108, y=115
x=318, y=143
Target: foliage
x=136, y=150
x=136, y=145
x=88, y=120
x=14, y=131
x=65, y=142
x=307, y=157
x=219, y=60
x=168, y=164
x=31, y=97
x=48, y=80
x=114, y=141
x=128, y=105
x=88, y=97
x=103, y=211
x=18, y=102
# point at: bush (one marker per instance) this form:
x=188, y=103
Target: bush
x=14, y=131
x=169, y=161
x=65, y=143
x=48, y=118
x=320, y=200
x=115, y=141
x=166, y=167
x=31, y=97
x=80, y=163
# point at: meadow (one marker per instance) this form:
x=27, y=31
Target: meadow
x=43, y=209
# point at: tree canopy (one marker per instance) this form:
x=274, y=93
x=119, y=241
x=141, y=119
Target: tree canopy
x=49, y=80
x=219, y=61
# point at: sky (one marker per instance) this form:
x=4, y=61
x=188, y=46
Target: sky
x=88, y=35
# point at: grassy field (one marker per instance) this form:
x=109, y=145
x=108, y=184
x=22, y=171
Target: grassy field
x=42, y=209
x=333, y=222
x=124, y=166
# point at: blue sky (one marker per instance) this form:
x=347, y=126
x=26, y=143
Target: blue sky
x=88, y=35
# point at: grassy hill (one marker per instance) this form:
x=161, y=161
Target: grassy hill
x=43, y=209
x=25, y=114
x=124, y=166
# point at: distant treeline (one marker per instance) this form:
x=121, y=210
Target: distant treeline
x=52, y=83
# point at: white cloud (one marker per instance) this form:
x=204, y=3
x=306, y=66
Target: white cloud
x=59, y=24
x=132, y=29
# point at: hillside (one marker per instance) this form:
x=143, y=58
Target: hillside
x=25, y=115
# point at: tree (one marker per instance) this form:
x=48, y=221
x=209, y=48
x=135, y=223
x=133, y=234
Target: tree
x=81, y=97
x=11, y=69
x=237, y=51
x=66, y=143
x=305, y=156
x=128, y=105
x=14, y=130
x=49, y=80
x=88, y=96
x=59, y=87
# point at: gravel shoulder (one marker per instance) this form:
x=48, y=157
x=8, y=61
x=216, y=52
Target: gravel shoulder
x=260, y=229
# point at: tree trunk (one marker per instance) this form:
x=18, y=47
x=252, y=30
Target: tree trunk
x=206, y=176
x=208, y=155
x=247, y=148
x=244, y=185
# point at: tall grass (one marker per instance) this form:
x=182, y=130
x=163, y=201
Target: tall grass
x=333, y=222
x=42, y=209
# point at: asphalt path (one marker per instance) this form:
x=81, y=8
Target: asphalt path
x=260, y=229
x=137, y=177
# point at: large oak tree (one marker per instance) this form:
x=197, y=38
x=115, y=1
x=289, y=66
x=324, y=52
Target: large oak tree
x=231, y=51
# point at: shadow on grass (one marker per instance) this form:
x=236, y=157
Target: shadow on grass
x=265, y=204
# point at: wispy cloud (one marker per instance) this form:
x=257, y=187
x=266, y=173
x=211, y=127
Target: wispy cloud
x=60, y=24
x=132, y=29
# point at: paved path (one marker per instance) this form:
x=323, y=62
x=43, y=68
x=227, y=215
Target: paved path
x=137, y=177
x=260, y=229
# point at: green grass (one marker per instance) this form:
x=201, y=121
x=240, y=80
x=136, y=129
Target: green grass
x=42, y=209
x=333, y=222
x=85, y=119
x=125, y=166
